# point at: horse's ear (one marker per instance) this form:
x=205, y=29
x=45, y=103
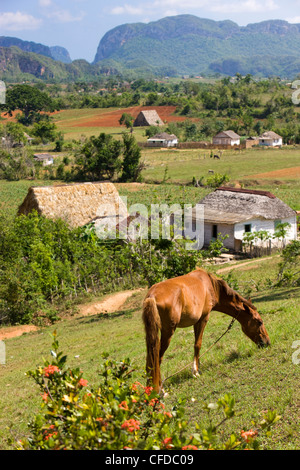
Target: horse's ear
x=249, y=299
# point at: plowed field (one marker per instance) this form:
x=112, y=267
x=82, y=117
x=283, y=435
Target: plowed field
x=292, y=173
x=111, y=118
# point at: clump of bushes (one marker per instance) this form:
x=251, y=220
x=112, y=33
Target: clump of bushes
x=121, y=414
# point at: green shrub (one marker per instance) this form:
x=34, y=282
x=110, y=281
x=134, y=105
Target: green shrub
x=118, y=414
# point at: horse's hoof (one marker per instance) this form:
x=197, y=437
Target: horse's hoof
x=196, y=374
x=162, y=393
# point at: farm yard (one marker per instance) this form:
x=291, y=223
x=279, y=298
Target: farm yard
x=108, y=319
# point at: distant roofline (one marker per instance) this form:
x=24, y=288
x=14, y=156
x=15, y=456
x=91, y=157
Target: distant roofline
x=247, y=191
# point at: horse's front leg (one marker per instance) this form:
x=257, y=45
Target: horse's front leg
x=198, y=330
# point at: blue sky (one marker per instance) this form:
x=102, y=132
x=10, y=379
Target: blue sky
x=78, y=25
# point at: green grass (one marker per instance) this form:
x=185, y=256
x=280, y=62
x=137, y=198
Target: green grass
x=258, y=379
x=12, y=194
x=238, y=165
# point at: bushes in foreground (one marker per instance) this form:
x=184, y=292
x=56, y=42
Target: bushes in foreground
x=118, y=414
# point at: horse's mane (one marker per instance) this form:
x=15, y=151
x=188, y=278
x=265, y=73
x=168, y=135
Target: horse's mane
x=220, y=285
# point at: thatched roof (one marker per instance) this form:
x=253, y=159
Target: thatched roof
x=163, y=136
x=270, y=135
x=78, y=204
x=243, y=204
x=148, y=118
x=230, y=134
x=42, y=157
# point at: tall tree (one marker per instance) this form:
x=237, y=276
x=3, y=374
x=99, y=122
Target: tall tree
x=131, y=158
x=27, y=99
x=99, y=157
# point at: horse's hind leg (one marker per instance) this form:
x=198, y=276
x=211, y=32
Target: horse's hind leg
x=165, y=338
x=198, y=330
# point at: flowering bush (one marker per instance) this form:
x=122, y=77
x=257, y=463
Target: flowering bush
x=119, y=414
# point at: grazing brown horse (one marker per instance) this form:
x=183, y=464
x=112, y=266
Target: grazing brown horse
x=187, y=301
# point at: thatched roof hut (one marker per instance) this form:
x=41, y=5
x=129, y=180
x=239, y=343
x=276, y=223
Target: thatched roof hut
x=248, y=203
x=148, y=118
x=78, y=204
x=232, y=212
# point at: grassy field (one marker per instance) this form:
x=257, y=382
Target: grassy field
x=259, y=380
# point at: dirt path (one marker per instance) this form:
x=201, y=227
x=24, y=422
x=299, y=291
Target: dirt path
x=237, y=266
x=13, y=331
x=109, y=305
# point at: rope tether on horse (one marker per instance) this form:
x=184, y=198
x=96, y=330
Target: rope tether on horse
x=205, y=352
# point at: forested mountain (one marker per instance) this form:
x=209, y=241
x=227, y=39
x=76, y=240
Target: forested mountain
x=55, y=52
x=192, y=45
x=173, y=46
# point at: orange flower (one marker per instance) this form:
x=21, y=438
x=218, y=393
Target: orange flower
x=83, y=382
x=50, y=370
x=190, y=447
x=148, y=390
x=45, y=397
x=248, y=435
x=123, y=405
x=167, y=442
x=131, y=425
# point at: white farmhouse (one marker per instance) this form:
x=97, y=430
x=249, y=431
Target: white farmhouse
x=270, y=139
x=163, y=140
x=234, y=212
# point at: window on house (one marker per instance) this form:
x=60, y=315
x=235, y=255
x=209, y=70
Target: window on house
x=248, y=228
x=276, y=223
x=215, y=231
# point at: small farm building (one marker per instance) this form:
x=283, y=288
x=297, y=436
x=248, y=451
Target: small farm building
x=226, y=138
x=44, y=158
x=148, y=118
x=77, y=204
x=270, y=139
x=233, y=212
x=163, y=140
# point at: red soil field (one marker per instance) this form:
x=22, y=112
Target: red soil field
x=111, y=118
x=293, y=173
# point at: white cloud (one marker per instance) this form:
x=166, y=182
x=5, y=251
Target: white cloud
x=18, y=21
x=127, y=9
x=45, y=3
x=295, y=19
x=218, y=6
x=64, y=16
x=250, y=6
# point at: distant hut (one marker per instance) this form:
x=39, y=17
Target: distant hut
x=44, y=158
x=234, y=212
x=163, y=140
x=148, y=118
x=226, y=138
x=78, y=204
x=270, y=139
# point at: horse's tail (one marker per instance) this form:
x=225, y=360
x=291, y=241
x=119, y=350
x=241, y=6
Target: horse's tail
x=152, y=325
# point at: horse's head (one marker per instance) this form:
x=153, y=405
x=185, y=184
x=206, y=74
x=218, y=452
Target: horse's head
x=253, y=325
x=232, y=303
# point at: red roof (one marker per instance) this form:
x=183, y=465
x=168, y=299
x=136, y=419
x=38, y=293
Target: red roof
x=247, y=191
